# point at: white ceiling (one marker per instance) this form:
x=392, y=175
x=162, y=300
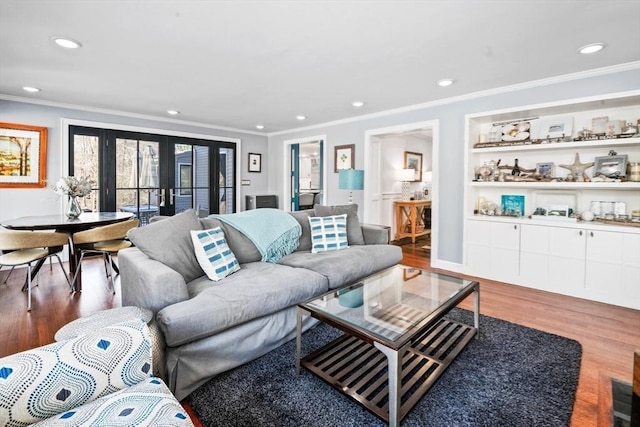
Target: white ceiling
x=240, y=63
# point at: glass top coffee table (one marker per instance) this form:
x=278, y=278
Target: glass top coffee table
x=396, y=340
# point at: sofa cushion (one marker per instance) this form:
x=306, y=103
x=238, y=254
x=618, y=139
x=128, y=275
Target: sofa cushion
x=303, y=219
x=257, y=290
x=148, y=403
x=169, y=241
x=213, y=253
x=243, y=248
x=354, y=232
x=328, y=233
x=40, y=383
x=348, y=265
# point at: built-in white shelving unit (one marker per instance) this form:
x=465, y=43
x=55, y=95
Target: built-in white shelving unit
x=593, y=260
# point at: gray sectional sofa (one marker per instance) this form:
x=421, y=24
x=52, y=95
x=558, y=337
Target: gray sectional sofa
x=213, y=326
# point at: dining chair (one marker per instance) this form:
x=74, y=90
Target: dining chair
x=27, y=247
x=106, y=241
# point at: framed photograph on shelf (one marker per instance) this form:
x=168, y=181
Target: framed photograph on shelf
x=556, y=127
x=255, y=162
x=414, y=161
x=610, y=166
x=545, y=170
x=23, y=156
x=345, y=157
x=512, y=205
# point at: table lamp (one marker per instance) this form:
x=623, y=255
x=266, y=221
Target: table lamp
x=351, y=179
x=406, y=176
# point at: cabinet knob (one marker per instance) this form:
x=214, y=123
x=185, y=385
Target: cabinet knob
x=591, y=233
x=581, y=232
x=515, y=226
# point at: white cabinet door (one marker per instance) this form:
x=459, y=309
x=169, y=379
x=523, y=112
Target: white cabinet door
x=493, y=250
x=613, y=267
x=505, y=251
x=478, y=261
x=534, y=256
x=566, y=261
x=552, y=259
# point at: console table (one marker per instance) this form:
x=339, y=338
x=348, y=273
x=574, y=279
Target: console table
x=408, y=213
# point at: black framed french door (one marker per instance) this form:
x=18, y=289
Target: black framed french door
x=151, y=174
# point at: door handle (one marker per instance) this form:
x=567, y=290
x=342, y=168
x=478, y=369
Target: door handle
x=171, y=196
x=161, y=198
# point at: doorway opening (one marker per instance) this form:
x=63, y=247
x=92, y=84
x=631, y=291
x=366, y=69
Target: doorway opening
x=306, y=172
x=388, y=153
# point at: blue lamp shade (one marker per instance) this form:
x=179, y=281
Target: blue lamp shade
x=351, y=179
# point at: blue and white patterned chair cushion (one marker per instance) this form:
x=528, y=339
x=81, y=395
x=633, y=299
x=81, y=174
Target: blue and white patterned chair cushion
x=149, y=403
x=40, y=383
x=213, y=253
x=328, y=233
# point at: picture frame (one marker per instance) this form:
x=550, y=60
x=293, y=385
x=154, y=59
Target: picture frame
x=545, y=170
x=611, y=166
x=558, y=211
x=413, y=161
x=345, y=157
x=255, y=162
x=512, y=205
x=556, y=127
x=23, y=156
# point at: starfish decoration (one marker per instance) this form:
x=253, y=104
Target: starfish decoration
x=577, y=168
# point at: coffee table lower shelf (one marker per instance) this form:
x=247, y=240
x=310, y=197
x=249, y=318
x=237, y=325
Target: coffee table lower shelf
x=360, y=371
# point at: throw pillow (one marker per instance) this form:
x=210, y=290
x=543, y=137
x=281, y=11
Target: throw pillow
x=354, y=231
x=169, y=242
x=328, y=233
x=213, y=253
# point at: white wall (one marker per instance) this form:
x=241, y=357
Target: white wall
x=42, y=201
x=451, y=114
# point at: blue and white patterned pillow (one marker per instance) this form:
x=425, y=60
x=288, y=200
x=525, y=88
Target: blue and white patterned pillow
x=213, y=253
x=40, y=383
x=328, y=233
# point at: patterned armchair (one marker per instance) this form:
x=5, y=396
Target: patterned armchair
x=101, y=378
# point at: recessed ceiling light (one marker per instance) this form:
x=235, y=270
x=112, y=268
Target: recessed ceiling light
x=260, y=127
x=357, y=104
x=30, y=89
x=68, y=43
x=173, y=112
x=445, y=82
x=301, y=117
x=591, y=48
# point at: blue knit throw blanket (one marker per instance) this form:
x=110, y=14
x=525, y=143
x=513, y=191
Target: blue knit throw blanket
x=274, y=232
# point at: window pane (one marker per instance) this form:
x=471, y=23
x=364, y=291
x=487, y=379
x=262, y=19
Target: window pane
x=226, y=180
x=85, y=164
x=183, y=196
x=137, y=179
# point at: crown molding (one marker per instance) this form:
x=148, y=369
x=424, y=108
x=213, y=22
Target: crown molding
x=495, y=91
x=125, y=114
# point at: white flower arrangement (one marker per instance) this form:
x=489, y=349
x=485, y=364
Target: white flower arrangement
x=73, y=187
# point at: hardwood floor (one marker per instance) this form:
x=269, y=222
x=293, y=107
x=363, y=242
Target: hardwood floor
x=609, y=335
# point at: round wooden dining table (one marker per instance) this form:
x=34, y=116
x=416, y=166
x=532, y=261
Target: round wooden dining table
x=61, y=223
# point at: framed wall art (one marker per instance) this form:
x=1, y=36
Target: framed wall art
x=414, y=161
x=23, y=156
x=255, y=162
x=345, y=157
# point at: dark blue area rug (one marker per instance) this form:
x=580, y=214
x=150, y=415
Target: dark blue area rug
x=509, y=376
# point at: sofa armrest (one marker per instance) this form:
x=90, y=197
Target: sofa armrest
x=149, y=283
x=375, y=234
